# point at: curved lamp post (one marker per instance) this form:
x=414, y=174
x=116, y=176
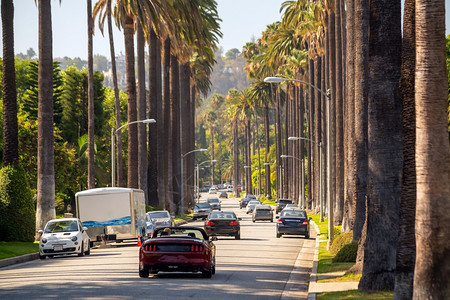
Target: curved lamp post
x=182, y=177
x=113, y=146
x=328, y=97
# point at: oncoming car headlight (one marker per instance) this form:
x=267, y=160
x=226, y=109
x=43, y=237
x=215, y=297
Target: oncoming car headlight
x=74, y=238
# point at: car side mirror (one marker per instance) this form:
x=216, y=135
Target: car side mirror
x=277, y=217
x=212, y=238
x=40, y=231
x=173, y=217
x=310, y=218
x=239, y=219
x=84, y=228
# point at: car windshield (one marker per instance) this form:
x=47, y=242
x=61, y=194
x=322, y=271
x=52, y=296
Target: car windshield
x=293, y=213
x=61, y=226
x=222, y=215
x=203, y=205
x=160, y=214
x=179, y=233
x=213, y=200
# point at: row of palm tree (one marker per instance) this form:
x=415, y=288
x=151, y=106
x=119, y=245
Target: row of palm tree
x=387, y=131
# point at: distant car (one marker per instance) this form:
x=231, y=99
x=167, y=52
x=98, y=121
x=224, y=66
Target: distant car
x=291, y=205
x=251, y=196
x=223, y=223
x=230, y=188
x=243, y=203
x=178, y=249
x=215, y=203
x=212, y=191
x=262, y=212
x=293, y=221
x=201, y=210
x=204, y=189
x=223, y=195
x=161, y=218
x=281, y=203
x=251, y=205
x=64, y=236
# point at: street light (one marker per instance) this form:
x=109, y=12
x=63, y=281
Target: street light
x=296, y=138
x=182, y=177
x=328, y=97
x=198, y=175
x=113, y=147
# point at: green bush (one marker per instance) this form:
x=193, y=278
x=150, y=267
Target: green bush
x=17, y=212
x=347, y=253
x=340, y=241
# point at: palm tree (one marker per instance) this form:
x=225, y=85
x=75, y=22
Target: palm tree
x=98, y=9
x=91, y=152
x=10, y=127
x=385, y=147
x=406, y=250
x=432, y=270
x=45, y=207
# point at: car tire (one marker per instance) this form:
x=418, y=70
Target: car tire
x=81, y=250
x=278, y=235
x=194, y=218
x=307, y=236
x=271, y=220
x=144, y=272
x=208, y=273
x=42, y=256
x=237, y=236
x=88, y=252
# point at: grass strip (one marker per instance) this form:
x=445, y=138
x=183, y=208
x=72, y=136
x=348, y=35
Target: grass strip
x=354, y=294
x=12, y=249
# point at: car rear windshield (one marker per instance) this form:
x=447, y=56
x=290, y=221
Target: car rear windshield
x=293, y=213
x=213, y=200
x=284, y=201
x=203, y=205
x=222, y=215
x=162, y=214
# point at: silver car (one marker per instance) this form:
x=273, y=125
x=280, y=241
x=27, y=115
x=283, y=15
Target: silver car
x=262, y=212
x=251, y=205
x=201, y=210
x=161, y=218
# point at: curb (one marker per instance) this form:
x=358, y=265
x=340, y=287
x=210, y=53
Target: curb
x=18, y=259
x=313, y=278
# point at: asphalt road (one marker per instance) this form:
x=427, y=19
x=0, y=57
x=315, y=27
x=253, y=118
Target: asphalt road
x=256, y=267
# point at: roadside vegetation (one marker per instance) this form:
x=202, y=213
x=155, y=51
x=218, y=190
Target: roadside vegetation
x=12, y=249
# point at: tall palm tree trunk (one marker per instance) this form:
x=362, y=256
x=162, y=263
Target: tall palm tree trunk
x=91, y=145
x=317, y=129
x=310, y=146
x=133, y=178
x=118, y=137
x=184, y=134
x=248, y=157
x=432, y=273
x=332, y=120
x=385, y=147
x=175, y=127
x=45, y=206
x=154, y=112
x=235, y=158
x=167, y=148
x=141, y=110
x=10, y=127
x=406, y=251
x=267, y=190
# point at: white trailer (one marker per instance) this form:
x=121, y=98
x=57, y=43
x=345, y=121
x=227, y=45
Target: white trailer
x=112, y=213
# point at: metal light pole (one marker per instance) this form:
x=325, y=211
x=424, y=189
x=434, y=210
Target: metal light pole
x=328, y=96
x=182, y=177
x=113, y=147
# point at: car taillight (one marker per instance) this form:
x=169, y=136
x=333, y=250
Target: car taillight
x=305, y=222
x=234, y=223
x=210, y=223
x=150, y=247
x=280, y=221
x=196, y=248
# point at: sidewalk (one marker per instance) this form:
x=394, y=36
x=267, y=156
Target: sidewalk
x=322, y=287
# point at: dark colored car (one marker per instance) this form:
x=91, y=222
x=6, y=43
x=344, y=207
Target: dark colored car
x=178, y=249
x=281, y=203
x=223, y=195
x=223, y=223
x=293, y=221
x=201, y=210
x=262, y=212
x=215, y=203
x=252, y=197
x=243, y=203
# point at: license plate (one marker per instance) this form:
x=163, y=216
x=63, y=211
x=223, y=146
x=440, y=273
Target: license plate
x=57, y=248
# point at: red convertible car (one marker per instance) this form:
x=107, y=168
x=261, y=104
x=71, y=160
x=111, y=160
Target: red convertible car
x=178, y=249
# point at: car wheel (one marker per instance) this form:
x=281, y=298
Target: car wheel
x=42, y=256
x=208, y=273
x=81, y=250
x=278, y=235
x=237, y=236
x=307, y=236
x=194, y=218
x=271, y=220
x=88, y=252
x=144, y=272
x=253, y=221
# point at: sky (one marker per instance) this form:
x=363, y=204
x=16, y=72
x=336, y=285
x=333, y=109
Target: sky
x=242, y=22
